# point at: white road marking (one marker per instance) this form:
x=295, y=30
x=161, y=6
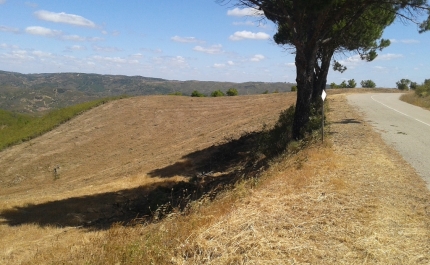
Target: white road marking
x=400, y=112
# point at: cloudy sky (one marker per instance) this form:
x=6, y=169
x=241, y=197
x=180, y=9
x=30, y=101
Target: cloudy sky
x=181, y=40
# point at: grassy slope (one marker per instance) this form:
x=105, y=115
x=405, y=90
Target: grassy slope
x=327, y=204
x=16, y=128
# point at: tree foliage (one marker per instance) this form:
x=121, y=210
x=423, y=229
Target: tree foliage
x=316, y=29
x=403, y=84
x=367, y=84
x=232, y=92
x=217, y=93
x=196, y=93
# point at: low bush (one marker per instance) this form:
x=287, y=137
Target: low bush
x=232, y=92
x=197, y=94
x=217, y=93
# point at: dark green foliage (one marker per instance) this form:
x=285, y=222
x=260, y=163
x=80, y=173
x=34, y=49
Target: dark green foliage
x=352, y=83
x=16, y=128
x=197, y=94
x=217, y=93
x=367, y=84
x=232, y=92
x=177, y=93
x=424, y=89
x=413, y=85
x=293, y=88
x=266, y=92
x=403, y=84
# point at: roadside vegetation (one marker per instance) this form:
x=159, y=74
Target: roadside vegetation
x=16, y=128
x=420, y=95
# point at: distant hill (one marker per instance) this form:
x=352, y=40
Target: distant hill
x=40, y=92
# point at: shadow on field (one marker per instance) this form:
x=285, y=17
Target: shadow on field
x=208, y=171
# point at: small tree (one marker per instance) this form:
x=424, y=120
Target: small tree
x=352, y=83
x=197, y=94
x=367, y=84
x=333, y=85
x=232, y=92
x=413, y=85
x=217, y=93
x=293, y=88
x=403, y=84
x=343, y=85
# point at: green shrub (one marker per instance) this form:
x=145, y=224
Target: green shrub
x=423, y=90
x=293, y=88
x=266, y=92
x=403, y=84
x=197, y=94
x=217, y=93
x=367, y=84
x=177, y=93
x=232, y=92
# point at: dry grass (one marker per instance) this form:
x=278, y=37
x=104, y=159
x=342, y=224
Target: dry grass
x=412, y=98
x=352, y=200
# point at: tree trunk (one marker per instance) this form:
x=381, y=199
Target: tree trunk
x=320, y=81
x=305, y=65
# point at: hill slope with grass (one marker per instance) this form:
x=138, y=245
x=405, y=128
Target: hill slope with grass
x=32, y=93
x=77, y=193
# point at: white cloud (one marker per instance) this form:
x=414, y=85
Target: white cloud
x=73, y=38
x=388, y=56
x=241, y=35
x=9, y=29
x=219, y=65
x=42, y=54
x=185, y=39
x=36, y=30
x=214, y=49
x=230, y=63
x=238, y=12
x=406, y=41
x=17, y=55
x=77, y=48
x=257, y=58
x=380, y=67
x=110, y=59
x=62, y=17
x=246, y=23
x=291, y=64
x=137, y=55
x=105, y=49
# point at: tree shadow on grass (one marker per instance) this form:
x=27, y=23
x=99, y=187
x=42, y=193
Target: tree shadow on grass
x=208, y=171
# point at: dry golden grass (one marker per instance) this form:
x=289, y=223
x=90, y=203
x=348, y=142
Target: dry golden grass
x=352, y=200
x=412, y=98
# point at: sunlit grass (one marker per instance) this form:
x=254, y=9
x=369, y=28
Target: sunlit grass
x=16, y=128
x=414, y=99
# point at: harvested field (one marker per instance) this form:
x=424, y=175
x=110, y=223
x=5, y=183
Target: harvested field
x=352, y=200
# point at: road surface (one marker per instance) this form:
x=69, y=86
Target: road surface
x=403, y=126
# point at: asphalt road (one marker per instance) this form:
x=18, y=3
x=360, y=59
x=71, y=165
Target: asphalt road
x=403, y=126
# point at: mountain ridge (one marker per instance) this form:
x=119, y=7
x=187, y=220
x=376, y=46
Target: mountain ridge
x=39, y=92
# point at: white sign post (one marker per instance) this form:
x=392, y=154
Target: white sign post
x=323, y=96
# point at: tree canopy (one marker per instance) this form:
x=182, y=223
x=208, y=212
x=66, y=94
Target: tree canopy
x=316, y=29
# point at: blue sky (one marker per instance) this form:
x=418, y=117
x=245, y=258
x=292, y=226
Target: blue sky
x=181, y=40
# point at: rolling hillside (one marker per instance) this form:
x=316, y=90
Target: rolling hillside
x=40, y=92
